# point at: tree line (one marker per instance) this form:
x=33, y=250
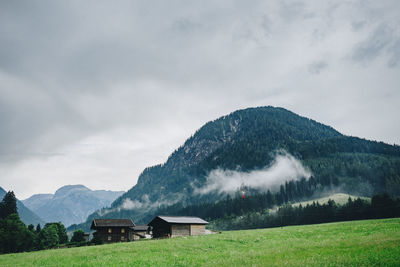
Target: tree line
x=254, y=211
x=15, y=236
x=381, y=206
x=290, y=191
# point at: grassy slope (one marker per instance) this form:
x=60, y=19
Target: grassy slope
x=357, y=243
x=339, y=198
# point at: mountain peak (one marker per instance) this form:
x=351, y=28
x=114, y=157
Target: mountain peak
x=67, y=189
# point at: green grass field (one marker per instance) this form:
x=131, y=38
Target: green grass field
x=356, y=243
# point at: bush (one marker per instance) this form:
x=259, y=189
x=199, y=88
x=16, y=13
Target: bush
x=78, y=236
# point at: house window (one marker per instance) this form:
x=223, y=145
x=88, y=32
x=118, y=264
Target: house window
x=109, y=238
x=122, y=230
x=109, y=230
x=122, y=238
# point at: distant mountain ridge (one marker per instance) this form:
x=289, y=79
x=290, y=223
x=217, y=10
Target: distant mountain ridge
x=70, y=204
x=246, y=140
x=26, y=215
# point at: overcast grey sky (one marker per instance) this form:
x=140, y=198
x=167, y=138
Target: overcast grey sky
x=92, y=92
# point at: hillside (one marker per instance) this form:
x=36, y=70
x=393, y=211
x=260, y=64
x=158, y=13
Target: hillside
x=339, y=199
x=356, y=243
x=26, y=215
x=70, y=204
x=255, y=146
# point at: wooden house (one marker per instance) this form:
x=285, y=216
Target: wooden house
x=113, y=230
x=172, y=226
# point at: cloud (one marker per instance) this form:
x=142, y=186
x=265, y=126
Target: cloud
x=144, y=204
x=284, y=168
x=317, y=67
x=395, y=54
x=375, y=45
x=129, y=204
x=153, y=72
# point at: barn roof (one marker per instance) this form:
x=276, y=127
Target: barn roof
x=112, y=223
x=182, y=219
x=140, y=227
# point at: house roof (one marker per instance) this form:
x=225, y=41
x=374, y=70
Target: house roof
x=182, y=219
x=112, y=223
x=140, y=227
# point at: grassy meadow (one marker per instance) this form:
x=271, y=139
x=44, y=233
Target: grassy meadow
x=339, y=199
x=356, y=243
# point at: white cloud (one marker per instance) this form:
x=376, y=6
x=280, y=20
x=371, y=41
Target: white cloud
x=284, y=168
x=143, y=204
x=73, y=71
x=129, y=204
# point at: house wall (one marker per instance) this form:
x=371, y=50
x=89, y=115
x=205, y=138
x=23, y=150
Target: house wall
x=197, y=229
x=180, y=230
x=116, y=234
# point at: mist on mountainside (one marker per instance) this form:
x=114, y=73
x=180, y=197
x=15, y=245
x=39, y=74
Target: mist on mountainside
x=283, y=168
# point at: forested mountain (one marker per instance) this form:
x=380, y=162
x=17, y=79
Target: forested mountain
x=26, y=215
x=70, y=204
x=249, y=140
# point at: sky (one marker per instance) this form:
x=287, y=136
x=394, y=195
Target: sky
x=92, y=92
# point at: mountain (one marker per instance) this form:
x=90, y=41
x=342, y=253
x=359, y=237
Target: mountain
x=255, y=139
x=70, y=204
x=26, y=215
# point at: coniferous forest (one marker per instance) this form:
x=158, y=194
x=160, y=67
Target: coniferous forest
x=255, y=212
x=15, y=236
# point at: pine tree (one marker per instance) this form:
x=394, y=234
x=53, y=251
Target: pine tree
x=38, y=228
x=14, y=235
x=8, y=205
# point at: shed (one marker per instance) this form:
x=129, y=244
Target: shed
x=113, y=230
x=140, y=231
x=172, y=226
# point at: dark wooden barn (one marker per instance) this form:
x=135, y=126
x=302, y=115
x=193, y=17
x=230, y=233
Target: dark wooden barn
x=172, y=226
x=113, y=230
